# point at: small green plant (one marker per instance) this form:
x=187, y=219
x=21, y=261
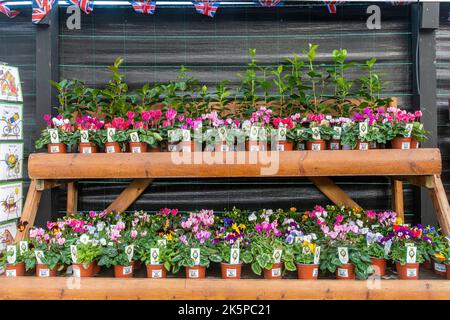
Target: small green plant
x=315, y=102
x=342, y=86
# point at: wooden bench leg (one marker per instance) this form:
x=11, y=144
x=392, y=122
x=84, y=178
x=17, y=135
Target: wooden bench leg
x=129, y=195
x=441, y=205
x=333, y=192
x=29, y=210
x=72, y=197
x=397, y=198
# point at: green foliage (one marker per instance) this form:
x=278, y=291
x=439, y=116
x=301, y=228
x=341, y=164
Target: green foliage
x=66, y=137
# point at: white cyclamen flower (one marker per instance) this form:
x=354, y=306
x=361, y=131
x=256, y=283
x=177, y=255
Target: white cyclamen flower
x=103, y=241
x=84, y=239
x=252, y=217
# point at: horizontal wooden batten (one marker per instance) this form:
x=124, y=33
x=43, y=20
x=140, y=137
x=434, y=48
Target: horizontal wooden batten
x=235, y=164
x=213, y=289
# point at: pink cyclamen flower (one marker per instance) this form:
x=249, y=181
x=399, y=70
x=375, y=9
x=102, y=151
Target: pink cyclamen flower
x=134, y=234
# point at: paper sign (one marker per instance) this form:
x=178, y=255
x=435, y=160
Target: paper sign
x=127, y=270
x=154, y=256
x=186, y=134
x=363, y=128
x=10, y=201
x=411, y=254
x=8, y=232
x=110, y=132
x=11, y=161
x=195, y=255
x=129, y=251
x=172, y=135
x=39, y=256
x=23, y=247
x=253, y=136
x=277, y=255
x=12, y=254
x=316, y=133
x=409, y=127
x=338, y=130
x=54, y=135
x=343, y=254
x=84, y=136
x=10, y=86
x=134, y=137
x=222, y=134
x=246, y=125
x=74, y=253
x=234, y=256
x=317, y=255
x=11, y=121
x=282, y=132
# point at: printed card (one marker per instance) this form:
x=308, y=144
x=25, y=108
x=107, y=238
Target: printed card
x=8, y=232
x=316, y=133
x=129, y=250
x=186, y=135
x=134, y=137
x=246, y=125
x=39, y=256
x=195, y=255
x=11, y=121
x=154, y=256
x=317, y=255
x=10, y=201
x=343, y=254
x=84, y=136
x=74, y=253
x=11, y=157
x=10, y=86
x=222, y=134
x=363, y=128
x=234, y=256
x=300, y=132
x=253, y=136
x=12, y=253
x=110, y=132
x=23, y=247
x=277, y=255
x=338, y=131
x=54, y=135
x=411, y=254
x=409, y=127
x=282, y=132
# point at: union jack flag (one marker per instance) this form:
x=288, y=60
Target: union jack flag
x=331, y=6
x=40, y=9
x=146, y=6
x=8, y=12
x=269, y=3
x=206, y=7
x=85, y=5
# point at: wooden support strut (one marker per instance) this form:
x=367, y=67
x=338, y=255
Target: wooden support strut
x=129, y=195
x=333, y=192
x=72, y=197
x=441, y=205
x=29, y=210
x=397, y=198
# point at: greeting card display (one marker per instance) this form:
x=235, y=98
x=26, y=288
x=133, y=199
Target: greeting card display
x=11, y=121
x=10, y=201
x=8, y=232
x=11, y=159
x=10, y=88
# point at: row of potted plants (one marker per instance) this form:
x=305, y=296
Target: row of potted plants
x=350, y=243
x=150, y=130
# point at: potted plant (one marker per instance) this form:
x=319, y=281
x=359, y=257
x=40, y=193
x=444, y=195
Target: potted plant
x=84, y=253
x=114, y=136
x=418, y=134
x=284, y=134
x=318, y=132
x=57, y=136
x=16, y=259
x=88, y=135
x=152, y=121
x=377, y=252
x=307, y=257
x=401, y=128
x=156, y=253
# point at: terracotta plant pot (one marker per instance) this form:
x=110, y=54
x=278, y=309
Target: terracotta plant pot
x=154, y=149
x=79, y=271
x=255, y=146
x=123, y=271
x=275, y=272
x=334, y=144
x=284, y=146
x=379, y=266
x=439, y=268
x=112, y=147
x=156, y=271
x=43, y=271
x=401, y=143
x=56, y=148
x=301, y=145
x=138, y=147
x=97, y=268
x=427, y=265
x=362, y=145
x=316, y=145
x=345, y=272
x=408, y=271
x=17, y=270
x=186, y=146
x=447, y=266
x=222, y=147
x=374, y=145
x=230, y=271
x=414, y=144
x=86, y=148
x=195, y=272
x=307, y=271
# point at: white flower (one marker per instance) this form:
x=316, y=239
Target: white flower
x=359, y=223
x=324, y=214
x=110, y=243
x=269, y=212
x=313, y=235
x=364, y=230
x=84, y=239
x=103, y=241
x=100, y=226
x=66, y=121
x=252, y=217
x=94, y=242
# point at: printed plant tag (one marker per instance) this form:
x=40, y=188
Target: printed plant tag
x=223, y=134
x=301, y=146
x=282, y=132
x=44, y=273
x=406, y=145
x=134, y=137
x=411, y=273
x=246, y=125
x=276, y=272
x=23, y=247
x=76, y=272
x=172, y=135
x=338, y=130
x=136, y=150
x=334, y=146
x=411, y=254
x=39, y=256
x=315, y=133
x=154, y=256
x=110, y=132
x=231, y=273
x=317, y=255
x=129, y=250
x=84, y=136
x=234, y=256
x=440, y=267
x=193, y=273
x=186, y=134
x=363, y=146
x=315, y=272
x=343, y=254
x=86, y=150
x=253, y=136
x=11, y=257
x=157, y=274
x=409, y=127
x=254, y=148
x=195, y=255
x=387, y=247
x=54, y=135
x=363, y=128
x=277, y=255
x=316, y=147
x=343, y=273
x=11, y=273
x=74, y=253
x=162, y=242
x=127, y=270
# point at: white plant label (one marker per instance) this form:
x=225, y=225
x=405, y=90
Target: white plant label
x=44, y=273
x=277, y=255
x=316, y=133
x=84, y=136
x=127, y=270
x=195, y=255
x=280, y=147
x=411, y=254
x=254, y=148
x=23, y=247
x=11, y=273
x=315, y=272
x=110, y=149
x=234, y=256
x=86, y=150
x=74, y=253
x=223, y=134
x=39, y=256
x=406, y=145
x=54, y=149
x=253, y=136
x=134, y=137
x=317, y=255
x=316, y=147
x=301, y=146
x=54, y=135
x=231, y=273
x=276, y=272
x=171, y=134
x=110, y=132
x=411, y=273
x=343, y=273
x=300, y=132
x=154, y=256
x=186, y=134
x=11, y=257
x=363, y=146
x=334, y=146
x=343, y=254
x=129, y=250
x=440, y=267
x=162, y=242
x=282, y=132
x=409, y=127
x=76, y=272
x=338, y=131
x=156, y=274
x=193, y=273
x=363, y=128
x=136, y=150
x=246, y=125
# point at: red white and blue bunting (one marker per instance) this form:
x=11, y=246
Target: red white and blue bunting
x=269, y=3
x=7, y=11
x=40, y=9
x=145, y=7
x=85, y=5
x=206, y=7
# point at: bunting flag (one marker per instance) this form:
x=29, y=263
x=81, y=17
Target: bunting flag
x=40, y=9
x=85, y=5
x=206, y=7
x=331, y=6
x=146, y=6
x=269, y=3
x=8, y=12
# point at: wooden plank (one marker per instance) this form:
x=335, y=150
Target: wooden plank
x=333, y=192
x=72, y=197
x=212, y=289
x=418, y=181
x=236, y=164
x=397, y=198
x=129, y=195
x=42, y=185
x=29, y=209
x=440, y=203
